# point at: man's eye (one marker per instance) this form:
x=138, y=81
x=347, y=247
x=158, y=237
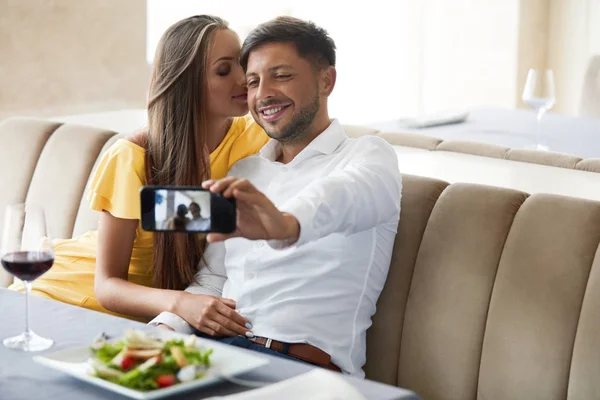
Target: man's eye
x=252, y=83
x=283, y=76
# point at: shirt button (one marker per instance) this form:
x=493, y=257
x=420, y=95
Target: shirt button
x=260, y=244
x=251, y=275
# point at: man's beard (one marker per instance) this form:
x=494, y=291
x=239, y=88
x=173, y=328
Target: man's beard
x=296, y=130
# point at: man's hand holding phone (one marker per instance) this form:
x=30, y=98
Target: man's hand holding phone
x=257, y=217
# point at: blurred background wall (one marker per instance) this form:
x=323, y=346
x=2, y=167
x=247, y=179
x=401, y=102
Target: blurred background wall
x=413, y=57
x=60, y=57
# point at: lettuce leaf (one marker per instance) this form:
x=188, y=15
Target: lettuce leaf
x=108, y=351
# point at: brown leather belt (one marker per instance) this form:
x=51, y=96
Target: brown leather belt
x=302, y=351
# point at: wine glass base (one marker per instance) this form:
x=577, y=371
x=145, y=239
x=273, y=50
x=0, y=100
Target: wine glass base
x=540, y=147
x=28, y=341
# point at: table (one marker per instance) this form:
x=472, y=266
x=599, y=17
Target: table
x=516, y=128
x=69, y=326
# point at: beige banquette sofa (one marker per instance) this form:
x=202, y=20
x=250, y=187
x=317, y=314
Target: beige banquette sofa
x=492, y=293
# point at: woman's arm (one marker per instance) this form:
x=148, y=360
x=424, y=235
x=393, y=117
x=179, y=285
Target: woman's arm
x=113, y=290
x=210, y=314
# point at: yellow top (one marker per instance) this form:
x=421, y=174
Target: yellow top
x=115, y=188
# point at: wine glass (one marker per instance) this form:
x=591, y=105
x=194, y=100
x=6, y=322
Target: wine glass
x=539, y=95
x=26, y=252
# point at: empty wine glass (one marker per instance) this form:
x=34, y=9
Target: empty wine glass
x=26, y=252
x=539, y=95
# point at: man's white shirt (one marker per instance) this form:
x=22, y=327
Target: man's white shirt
x=323, y=290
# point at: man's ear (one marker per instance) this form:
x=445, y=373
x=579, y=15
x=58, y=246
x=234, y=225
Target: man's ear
x=328, y=76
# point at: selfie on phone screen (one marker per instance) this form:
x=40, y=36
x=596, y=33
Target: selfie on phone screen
x=182, y=210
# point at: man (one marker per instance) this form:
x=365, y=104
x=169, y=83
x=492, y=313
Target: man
x=197, y=223
x=317, y=213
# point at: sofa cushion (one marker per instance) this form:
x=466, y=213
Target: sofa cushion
x=62, y=171
x=475, y=148
x=355, y=131
x=543, y=157
x=589, y=164
x=411, y=140
x=419, y=195
x=450, y=290
x=583, y=376
x=536, y=303
x=21, y=142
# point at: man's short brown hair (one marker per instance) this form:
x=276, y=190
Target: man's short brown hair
x=311, y=41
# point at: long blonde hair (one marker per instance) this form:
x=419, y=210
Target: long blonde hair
x=176, y=150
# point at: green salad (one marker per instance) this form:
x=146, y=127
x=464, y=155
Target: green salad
x=145, y=363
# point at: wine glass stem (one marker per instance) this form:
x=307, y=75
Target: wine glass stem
x=27, y=294
x=538, y=135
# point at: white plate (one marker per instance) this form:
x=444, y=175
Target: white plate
x=225, y=360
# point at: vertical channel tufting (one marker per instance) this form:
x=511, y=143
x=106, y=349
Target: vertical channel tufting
x=584, y=377
x=61, y=173
x=419, y=196
x=450, y=290
x=21, y=142
x=537, y=297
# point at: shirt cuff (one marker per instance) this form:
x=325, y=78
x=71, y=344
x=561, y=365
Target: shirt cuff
x=174, y=321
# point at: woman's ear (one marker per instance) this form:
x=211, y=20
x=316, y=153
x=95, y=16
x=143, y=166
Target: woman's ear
x=328, y=76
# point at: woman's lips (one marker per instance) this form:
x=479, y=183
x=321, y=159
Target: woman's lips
x=240, y=97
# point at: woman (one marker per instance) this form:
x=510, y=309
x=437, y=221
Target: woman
x=196, y=90
x=179, y=221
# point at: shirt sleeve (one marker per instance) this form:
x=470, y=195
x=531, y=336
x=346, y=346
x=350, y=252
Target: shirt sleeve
x=116, y=184
x=365, y=193
x=174, y=321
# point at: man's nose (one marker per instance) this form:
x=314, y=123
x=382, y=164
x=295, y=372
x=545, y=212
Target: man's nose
x=264, y=91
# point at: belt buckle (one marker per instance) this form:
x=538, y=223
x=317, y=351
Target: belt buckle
x=266, y=345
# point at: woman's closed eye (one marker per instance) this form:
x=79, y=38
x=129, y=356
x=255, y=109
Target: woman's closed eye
x=224, y=71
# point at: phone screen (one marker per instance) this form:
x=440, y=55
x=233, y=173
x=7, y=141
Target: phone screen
x=182, y=210
x=186, y=209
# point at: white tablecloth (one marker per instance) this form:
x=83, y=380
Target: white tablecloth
x=516, y=128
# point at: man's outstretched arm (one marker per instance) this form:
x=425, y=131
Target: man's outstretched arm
x=363, y=194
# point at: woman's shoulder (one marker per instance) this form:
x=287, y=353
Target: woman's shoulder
x=127, y=153
x=248, y=131
x=137, y=139
x=132, y=145
x=249, y=139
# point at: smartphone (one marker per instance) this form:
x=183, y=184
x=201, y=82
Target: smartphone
x=186, y=209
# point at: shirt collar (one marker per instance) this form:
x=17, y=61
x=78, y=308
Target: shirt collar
x=325, y=143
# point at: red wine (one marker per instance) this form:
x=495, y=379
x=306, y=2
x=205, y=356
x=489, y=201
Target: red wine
x=27, y=265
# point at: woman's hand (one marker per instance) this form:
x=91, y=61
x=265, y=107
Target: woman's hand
x=215, y=316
